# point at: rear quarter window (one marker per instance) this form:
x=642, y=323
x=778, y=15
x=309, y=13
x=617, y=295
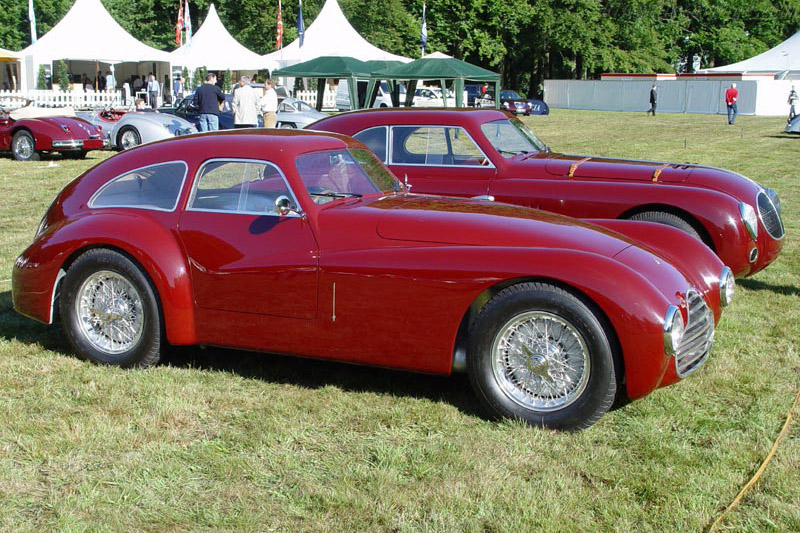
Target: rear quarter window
x=153, y=187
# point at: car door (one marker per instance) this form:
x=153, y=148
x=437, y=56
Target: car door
x=244, y=257
x=439, y=159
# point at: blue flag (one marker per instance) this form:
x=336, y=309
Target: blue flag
x=424, y=34
x=301, y=28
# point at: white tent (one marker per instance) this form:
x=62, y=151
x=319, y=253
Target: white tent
x=88, y=33
x=783, y=59
x=330, y=35
x=214, y=48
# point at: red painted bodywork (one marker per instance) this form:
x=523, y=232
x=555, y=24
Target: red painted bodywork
x=46, y=130
x=386, y=279
x=583, y=187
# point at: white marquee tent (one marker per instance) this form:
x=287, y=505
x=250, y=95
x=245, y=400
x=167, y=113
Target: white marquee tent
x=216, y=49
x=783, y=60
x=89, y=35
x=329, y=35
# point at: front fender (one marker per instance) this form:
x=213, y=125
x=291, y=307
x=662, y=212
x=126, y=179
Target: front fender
x=143, y=237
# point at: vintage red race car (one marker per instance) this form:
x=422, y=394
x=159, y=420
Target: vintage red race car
x=304, y=243
x=30, y=131
x=472, y=152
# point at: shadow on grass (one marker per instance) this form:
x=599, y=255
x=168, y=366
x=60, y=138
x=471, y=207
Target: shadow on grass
x=756, y=285
x=307, y=373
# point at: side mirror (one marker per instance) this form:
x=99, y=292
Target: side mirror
x=283, y=206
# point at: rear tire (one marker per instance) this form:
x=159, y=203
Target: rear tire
x=110, y=311
x=662, y=217
x=23, y=146
x=539, y=354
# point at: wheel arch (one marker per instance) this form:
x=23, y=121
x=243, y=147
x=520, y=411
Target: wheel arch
x=683, y=214
x=462, y=338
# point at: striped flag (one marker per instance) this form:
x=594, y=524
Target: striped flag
x=279, y=30
x=301, y=27
x=187, y=24
x=179, y=25
x=424, y=33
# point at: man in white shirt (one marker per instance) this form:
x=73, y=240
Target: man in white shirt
x=269, y=104
x=153, y=89
x=111, y=82
x=245, y=105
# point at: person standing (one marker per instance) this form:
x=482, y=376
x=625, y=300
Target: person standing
x=178, y=87
x=245, y=105
x=269, y=104
x=653, y=100
x=209, y=99
x=731, y=97
x=792, y=101
x=152, y=90
x=111, y=81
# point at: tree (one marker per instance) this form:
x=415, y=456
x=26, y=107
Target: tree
x=63, y=76
x=41, y=81
x=226, y=81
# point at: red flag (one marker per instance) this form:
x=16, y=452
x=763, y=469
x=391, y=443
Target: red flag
x=279, y=30
x=179, y=26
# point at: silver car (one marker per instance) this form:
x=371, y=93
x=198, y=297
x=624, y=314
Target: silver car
x=296, y=114
x=137, y=127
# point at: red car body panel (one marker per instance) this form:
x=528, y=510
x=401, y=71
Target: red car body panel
x=581, y=186
x=47, y=130
x=386, y=279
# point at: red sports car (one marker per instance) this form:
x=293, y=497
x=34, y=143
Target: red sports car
x=29, y=131
x=488, y=152
x=304, y=243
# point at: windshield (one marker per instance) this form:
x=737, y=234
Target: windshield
x=510, y=95
x=340, y=173
x=511, y=137
x=302, y=106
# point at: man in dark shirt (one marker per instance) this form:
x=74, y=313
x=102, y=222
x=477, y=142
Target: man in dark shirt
x=653, y=100
x=209, y=98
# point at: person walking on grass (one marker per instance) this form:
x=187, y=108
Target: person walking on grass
x=653, y=100
x=731, y=97
x=792, y=101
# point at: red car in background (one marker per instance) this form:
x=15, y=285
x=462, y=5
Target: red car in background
x=476, y=152
x=30, y=131
x=304, y=243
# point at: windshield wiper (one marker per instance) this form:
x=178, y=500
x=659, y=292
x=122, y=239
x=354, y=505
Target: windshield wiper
x=337, y=194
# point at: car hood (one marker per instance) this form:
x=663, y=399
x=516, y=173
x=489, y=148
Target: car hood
x=594, y=167
x=164, y=119
x=435, y=219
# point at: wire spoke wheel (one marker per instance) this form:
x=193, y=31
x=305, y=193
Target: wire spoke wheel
x=541, y=361
x=110, y=313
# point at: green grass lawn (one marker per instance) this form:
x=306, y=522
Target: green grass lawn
x=224, y=440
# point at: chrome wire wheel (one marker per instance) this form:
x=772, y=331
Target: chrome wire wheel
x=129, y=138
x=23, y=147
x=110, y=312
x=540, y=361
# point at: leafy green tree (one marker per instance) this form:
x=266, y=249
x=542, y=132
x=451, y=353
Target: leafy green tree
x=41, y=80
x=226, y=81
x=185, y=74
x=63, y=76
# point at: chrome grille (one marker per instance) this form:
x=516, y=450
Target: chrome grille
x=697, y=338
x=770, y=216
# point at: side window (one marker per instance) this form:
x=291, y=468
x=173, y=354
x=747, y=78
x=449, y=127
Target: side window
x=375, y=139
x=153, y=187
x=434, y=145
x=239, y=187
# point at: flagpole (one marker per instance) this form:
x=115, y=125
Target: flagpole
x=32, y=19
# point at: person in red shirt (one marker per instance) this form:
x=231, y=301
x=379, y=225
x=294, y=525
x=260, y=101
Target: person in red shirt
x=731, y=96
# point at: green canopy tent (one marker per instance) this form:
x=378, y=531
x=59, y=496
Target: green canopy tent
x=438, y=67
x=325, y=67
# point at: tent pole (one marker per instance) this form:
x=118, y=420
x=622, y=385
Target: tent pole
x=321, y=82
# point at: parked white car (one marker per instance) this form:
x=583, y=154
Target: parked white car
x=432, y=97
x=384, y=98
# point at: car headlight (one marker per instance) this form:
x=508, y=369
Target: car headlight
x=727, y=286
x=776, y=200
x=749, y=218
x=673, y=329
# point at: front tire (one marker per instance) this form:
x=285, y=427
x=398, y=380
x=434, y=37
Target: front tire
x=128, y=137
x=662, y=217
x=23, y=146
x=110, y=311
x=539, y=354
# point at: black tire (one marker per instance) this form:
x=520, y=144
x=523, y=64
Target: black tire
x=128, y=137
x=287, y=126
x=662, y=217
x=87, y=282
x=581, y=334
x=23, y=146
